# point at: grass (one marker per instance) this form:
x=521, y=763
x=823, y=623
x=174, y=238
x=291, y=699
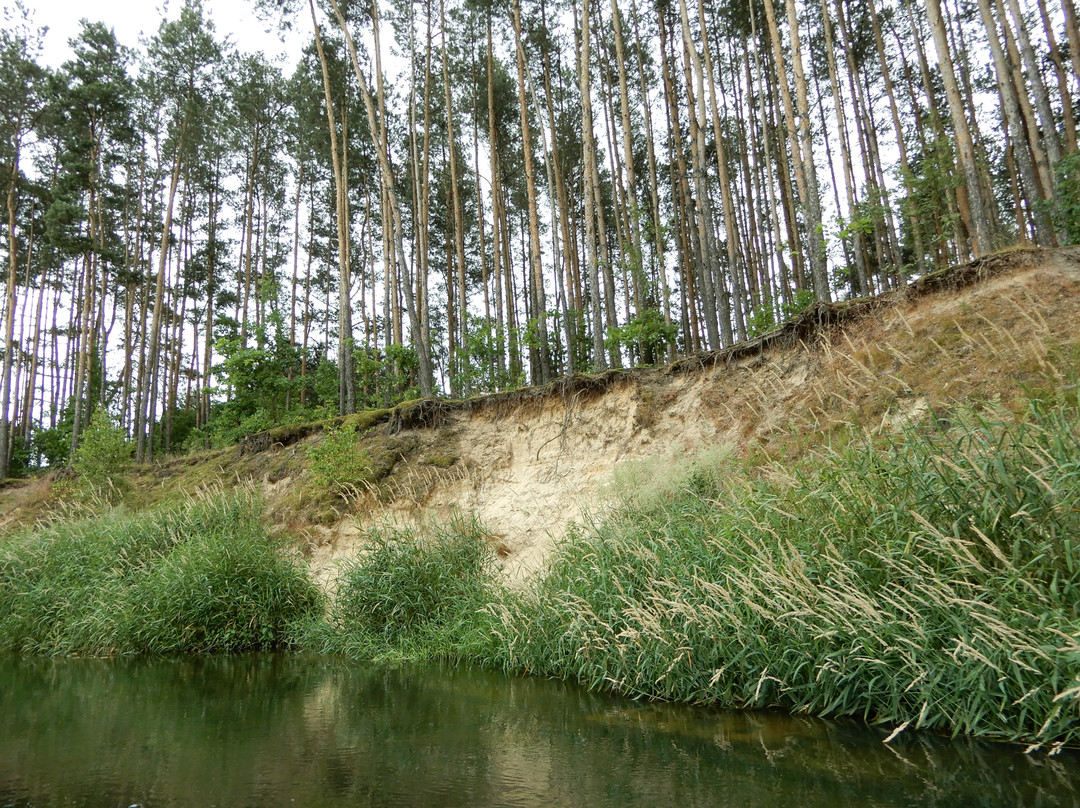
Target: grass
x=931, y=583
x=413, y=595
x=200, y=577
x=926, y=580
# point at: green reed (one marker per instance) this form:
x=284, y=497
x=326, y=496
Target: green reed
x=200, y=577
x=412, y=593
x=928, y=582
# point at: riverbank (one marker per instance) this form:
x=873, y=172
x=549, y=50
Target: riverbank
x=929, y=581
x=874, y=518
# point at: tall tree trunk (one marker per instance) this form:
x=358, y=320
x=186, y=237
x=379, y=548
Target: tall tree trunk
x=1072, y=32
x=148, y=371
x=709, y=269
x=539, y=304
x=9, y=320
x=818, y=267
x=1047, y=122
x=633, y=211
x=589, y=196
x=978, y=218
x=1067, y=116
x=659, y=246
x=346, y=363
x=798, y=159
x=731, y=229
x=419, y=337
x=1014, y=124
x=857, y=235
x=905, y=166
x=459, y=227
x=497, y=218
x=557, y=180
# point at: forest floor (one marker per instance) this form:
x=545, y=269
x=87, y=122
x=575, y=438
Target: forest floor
x=529, y=464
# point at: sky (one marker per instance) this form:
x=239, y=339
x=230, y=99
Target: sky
x=132, y=19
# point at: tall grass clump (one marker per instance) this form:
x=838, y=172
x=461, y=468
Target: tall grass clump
x=930, y=582
x=413, y=594
x=199, y=577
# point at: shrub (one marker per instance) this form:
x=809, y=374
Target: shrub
x=101, y=459
x=338, y=462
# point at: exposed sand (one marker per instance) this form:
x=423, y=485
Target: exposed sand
x=527, y=470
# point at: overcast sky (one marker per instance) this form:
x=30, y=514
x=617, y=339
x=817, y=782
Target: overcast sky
x=132, y=19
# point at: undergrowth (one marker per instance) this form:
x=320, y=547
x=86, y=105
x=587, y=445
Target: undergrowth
x=200, y=577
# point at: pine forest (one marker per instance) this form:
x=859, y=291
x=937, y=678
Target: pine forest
x=453, y=197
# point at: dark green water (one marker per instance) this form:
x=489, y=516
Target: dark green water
x=283, y=730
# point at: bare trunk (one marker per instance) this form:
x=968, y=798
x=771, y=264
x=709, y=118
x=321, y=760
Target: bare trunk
x=1014, y=124
x=144, y=414
x=589, y=153
x=539, y=303
x=978, y=219
x=419, y=337
x=818, y=268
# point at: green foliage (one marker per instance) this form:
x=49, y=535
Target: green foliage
x=183, y=425
x=52, y=446
x=338, y=462
x=800, y=301
x=932, y=583
x=646, y=332
x=485, y=344
x=764, y=318
x=933, y=178
x=1067, y=210
x=21, y=454
x=265, y=387
x=414, y=595
x=196, y=578
x=225, y=593
x=762, y=321
x=258, y=378
x=224, y=430
x=385, y=378
x=102, y=457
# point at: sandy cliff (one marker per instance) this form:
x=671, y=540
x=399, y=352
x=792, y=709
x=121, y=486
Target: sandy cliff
x=527, y=464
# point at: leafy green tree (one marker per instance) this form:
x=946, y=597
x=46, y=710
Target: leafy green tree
x=102, y=458
x=94, y=93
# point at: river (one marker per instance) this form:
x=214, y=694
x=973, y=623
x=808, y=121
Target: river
x=278, y=730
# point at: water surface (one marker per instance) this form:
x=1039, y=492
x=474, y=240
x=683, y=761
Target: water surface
x=281, y=730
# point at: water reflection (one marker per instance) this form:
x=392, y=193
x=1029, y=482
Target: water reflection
x=275, y=730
